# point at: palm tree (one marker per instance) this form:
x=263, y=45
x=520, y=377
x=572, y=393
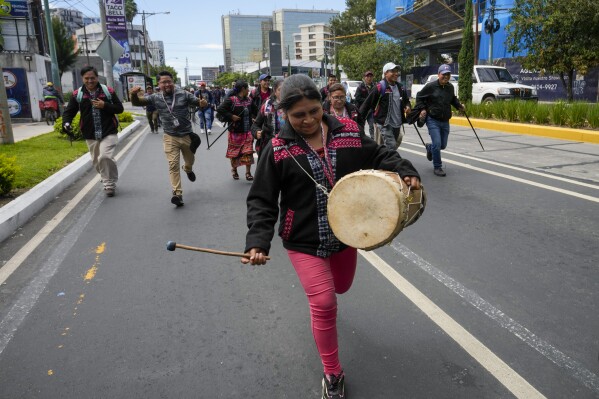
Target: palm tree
x=130, y=10
x=65, y=46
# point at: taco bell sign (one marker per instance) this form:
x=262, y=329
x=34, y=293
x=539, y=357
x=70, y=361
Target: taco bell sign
x=115, y=15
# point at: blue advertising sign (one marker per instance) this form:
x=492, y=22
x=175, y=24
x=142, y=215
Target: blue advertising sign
x=115, y=15
x=17, y=91
x=14, y=8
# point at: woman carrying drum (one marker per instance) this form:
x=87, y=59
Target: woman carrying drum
x=313, y=151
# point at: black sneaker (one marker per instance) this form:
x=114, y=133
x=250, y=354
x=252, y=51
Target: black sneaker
x=333, y=387
x=429, y=153
x=109, y=192
x=177, y=200
x=191, y=176
x=439, y=172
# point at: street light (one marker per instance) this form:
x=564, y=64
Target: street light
x=143, y=19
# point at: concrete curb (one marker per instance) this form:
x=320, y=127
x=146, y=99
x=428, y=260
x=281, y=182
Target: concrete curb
x=16, y=213
x=588, y=136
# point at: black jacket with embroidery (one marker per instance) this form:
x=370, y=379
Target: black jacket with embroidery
x=303, y=222
x=86, y=121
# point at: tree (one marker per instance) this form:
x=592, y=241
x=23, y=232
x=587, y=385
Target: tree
x=559, y=36
x=225, y=79
x=155, y=69
x=130, y=10
x=65, y=46
x=357, y=18
x=466, y=57
x=372, y=55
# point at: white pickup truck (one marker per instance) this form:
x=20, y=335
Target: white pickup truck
x=489, y=83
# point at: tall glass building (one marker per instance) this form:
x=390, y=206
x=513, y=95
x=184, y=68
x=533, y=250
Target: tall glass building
x=288, y=21
x=245, y=38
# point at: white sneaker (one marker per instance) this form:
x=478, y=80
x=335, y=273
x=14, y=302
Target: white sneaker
x=209, y=131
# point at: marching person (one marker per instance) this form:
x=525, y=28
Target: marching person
x=268, y=123
x=437, y=98
x=261, y=93
x=50, y=93
x=388, y=101
x=237, y=109
x=313, y=145
x=324, y=92
x=173, y=106
x=337, y=106
x=151, y=112
x=98, y=106
x=361, y=93
x=205, y=113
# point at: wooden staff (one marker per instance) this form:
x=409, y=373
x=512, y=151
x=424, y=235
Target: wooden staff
x=171, y=246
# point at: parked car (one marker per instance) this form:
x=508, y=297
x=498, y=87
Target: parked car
x=350, y=88
x=492, y=83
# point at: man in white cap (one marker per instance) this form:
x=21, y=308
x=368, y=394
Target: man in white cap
x=437, y=98
x=388, y=101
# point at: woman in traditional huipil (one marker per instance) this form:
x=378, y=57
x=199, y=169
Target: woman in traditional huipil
x=337, y=106
x=237, y=110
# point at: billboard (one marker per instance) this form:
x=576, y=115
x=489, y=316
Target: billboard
x=17, y=92
x=116, y=25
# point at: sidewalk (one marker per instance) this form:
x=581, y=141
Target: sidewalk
x=24, y=131
x=554, y=132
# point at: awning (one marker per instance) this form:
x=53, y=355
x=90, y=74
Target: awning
x=425, y=19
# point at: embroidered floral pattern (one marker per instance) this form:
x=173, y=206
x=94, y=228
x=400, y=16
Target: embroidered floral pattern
x=286, y=233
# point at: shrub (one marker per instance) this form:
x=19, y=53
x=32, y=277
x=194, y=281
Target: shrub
x=510, y=110
x=577, y=114
x=559, y=113
x=125, y=117
x=487, y=110
x=541, y=114
x=8, y=173
x=526, y=110
x=498, y=109
x=593, y=116
x=74, y=124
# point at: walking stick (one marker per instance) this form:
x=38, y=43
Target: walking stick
x=171, y=246
x=481, y=144
x=404, y=132
x=223, y=132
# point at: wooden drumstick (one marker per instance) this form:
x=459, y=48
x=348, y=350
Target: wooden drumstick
x=171, y=246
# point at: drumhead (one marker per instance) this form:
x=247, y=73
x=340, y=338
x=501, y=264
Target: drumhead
x=367, y=209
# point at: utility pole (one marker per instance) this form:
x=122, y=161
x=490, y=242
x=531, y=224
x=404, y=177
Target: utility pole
x=476, y=10
x=55, y=73
x=288, y=62
x=186, y=69
x=6, y=136
x=145, y=35
x=107, y=64
x=492, y=19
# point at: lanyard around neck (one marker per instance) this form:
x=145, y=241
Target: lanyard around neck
x=170, y=110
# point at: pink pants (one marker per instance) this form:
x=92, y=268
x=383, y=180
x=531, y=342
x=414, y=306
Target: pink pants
x=322, y=279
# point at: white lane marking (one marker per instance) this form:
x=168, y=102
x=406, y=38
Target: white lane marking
x=31, y=293
x=18, y=258
x=497, y=367
x=574, y=368
x=532, y=172
x=514, y=178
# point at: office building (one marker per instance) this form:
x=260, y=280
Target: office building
x=288, y=22
x=313, y=42
x=245, y=38
x=72, y=19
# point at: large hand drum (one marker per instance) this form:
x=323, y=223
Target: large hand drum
x=368, y=208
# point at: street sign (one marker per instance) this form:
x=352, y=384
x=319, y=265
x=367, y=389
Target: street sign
x=110, y=50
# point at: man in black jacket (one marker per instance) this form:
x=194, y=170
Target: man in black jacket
x=388, y=101
x=324, y=92
x=437, y=98
x=361, y=94
x=98, y=122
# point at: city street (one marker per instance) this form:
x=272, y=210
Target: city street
x=493, y=293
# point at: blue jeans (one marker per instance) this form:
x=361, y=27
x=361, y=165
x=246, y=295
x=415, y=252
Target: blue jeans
x=205, y=115
x=392, y=136
x=370, y=123
x=439, y=132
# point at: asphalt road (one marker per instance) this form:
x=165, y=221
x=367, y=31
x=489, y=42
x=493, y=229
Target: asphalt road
x=493, y=293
